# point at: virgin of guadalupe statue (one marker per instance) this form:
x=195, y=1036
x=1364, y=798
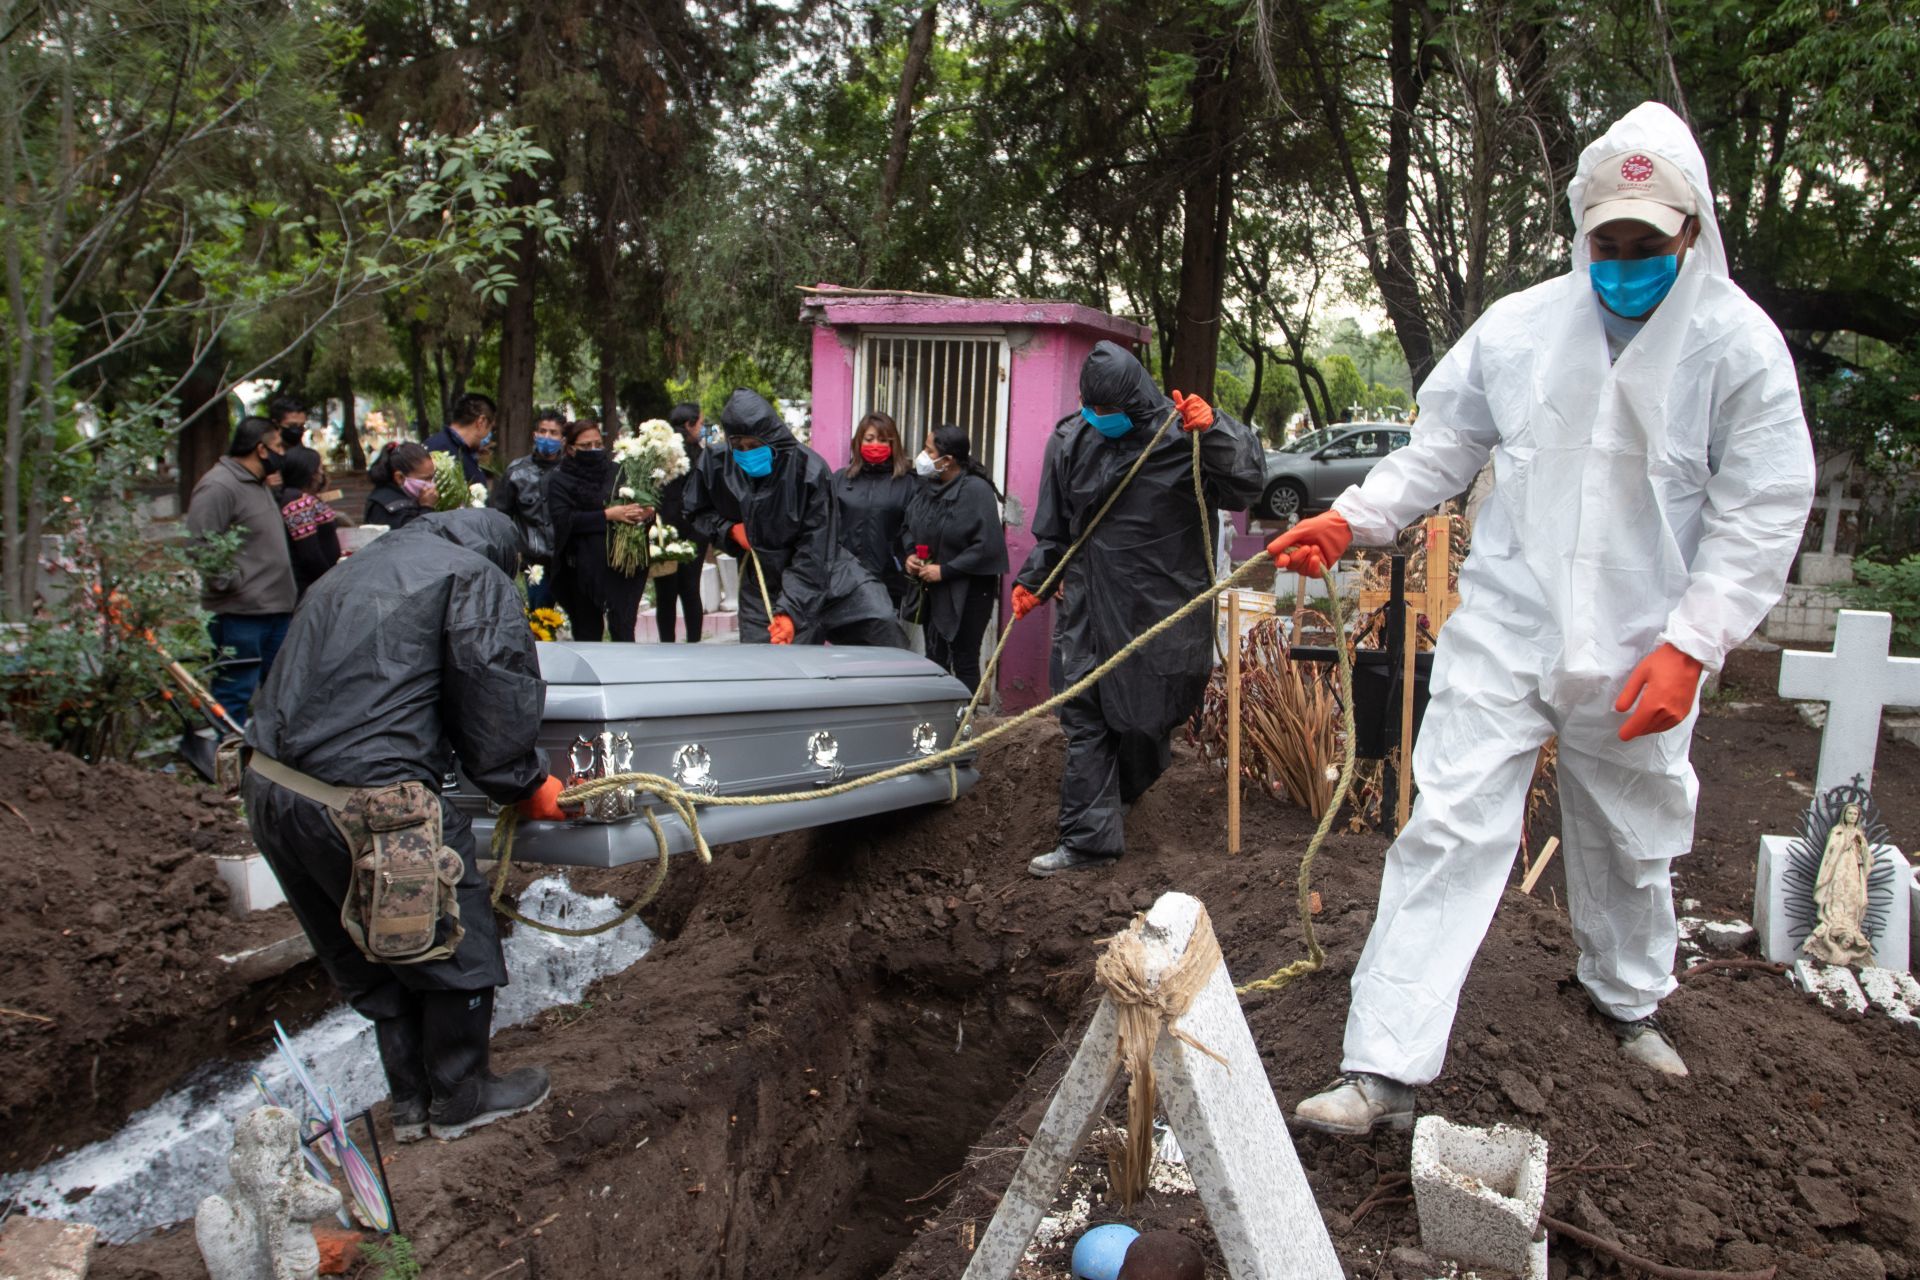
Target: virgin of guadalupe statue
x=1840, y=895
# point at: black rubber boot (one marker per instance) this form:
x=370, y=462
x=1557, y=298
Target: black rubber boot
x=466, y=1095
x=402, y=1054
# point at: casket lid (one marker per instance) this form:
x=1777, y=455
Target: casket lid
x=593, y=681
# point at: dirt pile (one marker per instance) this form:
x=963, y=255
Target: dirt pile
x=831, y=1061
x=112, y=924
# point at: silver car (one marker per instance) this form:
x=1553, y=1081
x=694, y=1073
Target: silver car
x=1309, y=474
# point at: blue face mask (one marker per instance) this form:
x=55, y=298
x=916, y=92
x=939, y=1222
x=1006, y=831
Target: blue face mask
x=1110, y=425
x=546, y=446
x=1631, y=288
x=755, y=462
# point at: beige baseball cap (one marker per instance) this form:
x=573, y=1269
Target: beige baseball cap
x=1638, y=185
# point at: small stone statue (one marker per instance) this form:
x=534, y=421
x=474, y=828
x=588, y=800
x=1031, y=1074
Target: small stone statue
x=260, y=1228
x=1840, y=894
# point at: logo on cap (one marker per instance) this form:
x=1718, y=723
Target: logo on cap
x=1636, y=168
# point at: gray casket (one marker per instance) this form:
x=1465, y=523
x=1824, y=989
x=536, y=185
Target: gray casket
x=730, y=720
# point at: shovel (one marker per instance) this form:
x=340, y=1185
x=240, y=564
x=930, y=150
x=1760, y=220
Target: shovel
x=215, y=758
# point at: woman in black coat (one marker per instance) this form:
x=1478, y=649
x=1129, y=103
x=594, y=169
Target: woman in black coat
x=956, y=517
x=872, y=493
x=402, y=479
x=598, y=598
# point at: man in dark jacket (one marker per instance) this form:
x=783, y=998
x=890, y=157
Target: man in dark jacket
x=679, y=591
x=468, y=432
x=522, y=494
x=414, y=646
x=768, y=491
x=1151, y=553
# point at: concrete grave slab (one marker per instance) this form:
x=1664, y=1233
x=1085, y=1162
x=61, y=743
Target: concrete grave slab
x=1227, y=1122
x=1892, y=992
x=251, y=882
x=1831, y=985
x=1781, y=938
x=45, y=1249
x=1478, y=1193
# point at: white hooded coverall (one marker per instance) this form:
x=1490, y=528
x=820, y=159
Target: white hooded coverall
x=1654, y=499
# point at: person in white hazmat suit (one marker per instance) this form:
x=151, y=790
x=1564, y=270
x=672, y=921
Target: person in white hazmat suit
x=1652, y=475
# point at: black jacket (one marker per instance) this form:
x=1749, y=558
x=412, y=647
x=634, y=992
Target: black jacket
x=522, y=494
x=873, y=510
x=390, y=506
x=1151, y=553
x=959, y=523
x=414, y=646
x=673, y=496
x=790, y=520
x=578, y=498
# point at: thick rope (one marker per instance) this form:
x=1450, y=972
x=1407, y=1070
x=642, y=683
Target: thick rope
x=1316, y=957
x=684, y=803
x=1144, y=1008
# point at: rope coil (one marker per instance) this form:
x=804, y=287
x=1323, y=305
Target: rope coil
x=1144, y=1009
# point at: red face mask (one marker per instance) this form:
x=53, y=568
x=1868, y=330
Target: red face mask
x=876, y=452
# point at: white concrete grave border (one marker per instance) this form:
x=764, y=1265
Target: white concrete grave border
x=1225, y=1117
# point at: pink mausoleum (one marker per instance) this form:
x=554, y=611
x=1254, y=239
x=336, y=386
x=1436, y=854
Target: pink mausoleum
x=1005, y=370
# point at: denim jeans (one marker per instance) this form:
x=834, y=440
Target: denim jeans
x=254, y=640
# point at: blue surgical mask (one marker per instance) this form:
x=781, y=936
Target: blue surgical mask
x=1631, y=287
x=1110, y=425
x=546, y=446
x=755, y=462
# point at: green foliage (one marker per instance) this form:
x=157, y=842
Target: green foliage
x=1893, y=588
x=391, y=1258
x=1346, y=389
x=83, y=675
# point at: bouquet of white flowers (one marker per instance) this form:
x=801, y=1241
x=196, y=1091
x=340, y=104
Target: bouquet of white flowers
x=667, y=550
x=647, y=458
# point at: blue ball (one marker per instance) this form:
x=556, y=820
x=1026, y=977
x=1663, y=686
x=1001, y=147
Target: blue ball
x=1099, y=1253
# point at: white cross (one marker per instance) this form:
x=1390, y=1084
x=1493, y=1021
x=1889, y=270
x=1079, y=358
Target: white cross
x=1855, y=681
x=1834, y=504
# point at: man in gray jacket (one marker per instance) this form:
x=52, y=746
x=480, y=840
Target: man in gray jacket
x=252, y=601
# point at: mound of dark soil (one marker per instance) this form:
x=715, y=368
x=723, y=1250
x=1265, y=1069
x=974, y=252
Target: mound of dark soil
x=830, y=1063
x=112, y=925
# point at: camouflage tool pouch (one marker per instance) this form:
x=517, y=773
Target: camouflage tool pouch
x=403, y=878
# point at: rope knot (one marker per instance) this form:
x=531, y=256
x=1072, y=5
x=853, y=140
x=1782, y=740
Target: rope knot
x=1146, y=1007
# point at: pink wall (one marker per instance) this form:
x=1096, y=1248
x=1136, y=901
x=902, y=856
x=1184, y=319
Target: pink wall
x=1049, y=341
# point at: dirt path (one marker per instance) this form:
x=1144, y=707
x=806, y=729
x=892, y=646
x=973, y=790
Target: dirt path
x=828, y=1065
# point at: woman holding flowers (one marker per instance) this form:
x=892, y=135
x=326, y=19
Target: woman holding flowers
x=599, y=597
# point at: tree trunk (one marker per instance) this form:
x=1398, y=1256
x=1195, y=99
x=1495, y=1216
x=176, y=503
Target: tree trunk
x=203, y=441
x=417, y=369
x=349, y=428
x=1206, y=224
x=1258, y=351
x=518, y=346
x=919, y=45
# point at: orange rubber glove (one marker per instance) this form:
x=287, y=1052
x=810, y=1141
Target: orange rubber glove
x=1666, y=682
x=739, y=535
x=780, y=630
x=1024, y=603
x=544, y=804
x=1313, y=545
x=1195, y=414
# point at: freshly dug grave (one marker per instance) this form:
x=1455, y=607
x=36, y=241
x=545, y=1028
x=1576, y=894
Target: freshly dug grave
x=112, y=925
x=830, y=1062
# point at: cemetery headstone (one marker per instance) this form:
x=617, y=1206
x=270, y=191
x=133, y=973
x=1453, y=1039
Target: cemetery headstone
x=1839, y=892
x=1857, y=679
x=1222, y=1109
x=1829, y=566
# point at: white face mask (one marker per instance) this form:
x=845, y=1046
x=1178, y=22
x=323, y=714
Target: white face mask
x=924, y=467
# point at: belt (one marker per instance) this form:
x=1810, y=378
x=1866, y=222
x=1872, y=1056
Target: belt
x=322, y=793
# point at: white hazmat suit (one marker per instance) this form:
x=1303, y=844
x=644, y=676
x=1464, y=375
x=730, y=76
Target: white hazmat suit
x=1656, y=498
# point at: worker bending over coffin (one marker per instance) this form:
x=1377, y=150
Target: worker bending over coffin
x=415, y=645
x=1652, y=476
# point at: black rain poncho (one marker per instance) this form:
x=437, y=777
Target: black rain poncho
x=872, y=508
x=959, y=523
x=1150, y=555
x=790, y=520
x=410, y=648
